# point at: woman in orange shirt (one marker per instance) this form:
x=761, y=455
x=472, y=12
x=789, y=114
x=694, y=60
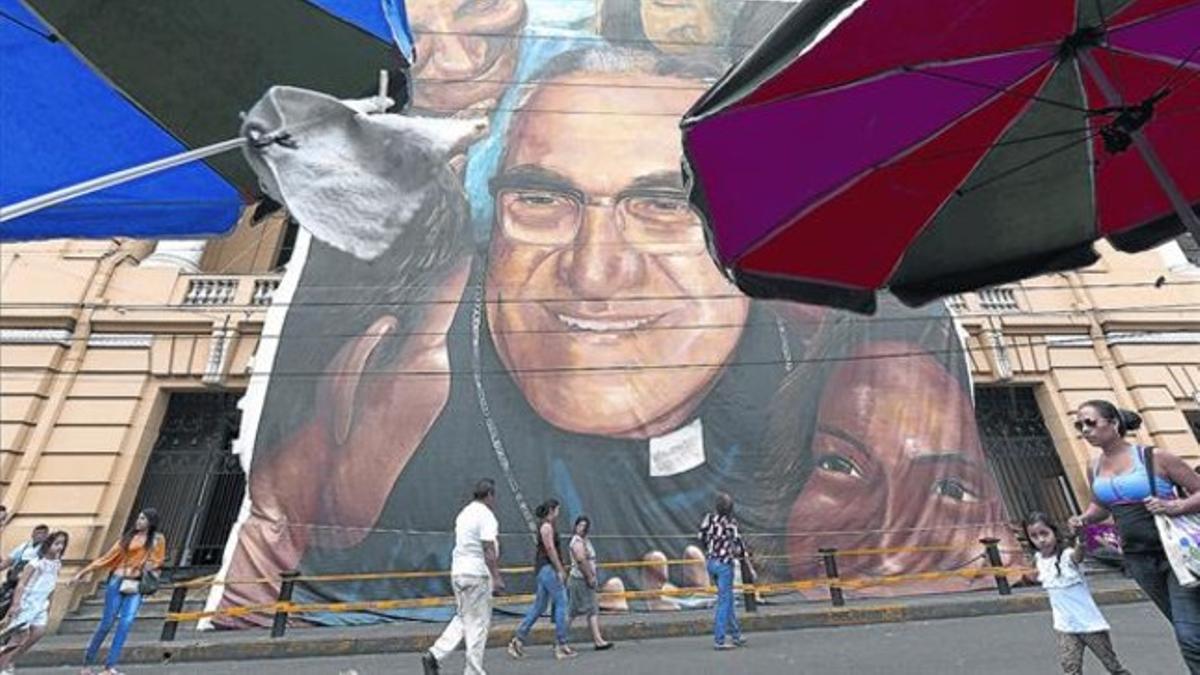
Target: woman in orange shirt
x=140, y=551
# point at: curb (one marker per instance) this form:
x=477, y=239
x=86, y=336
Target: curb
x=305, y=644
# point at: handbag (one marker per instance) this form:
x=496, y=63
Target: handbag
x=1180, y=536
x=149, y=582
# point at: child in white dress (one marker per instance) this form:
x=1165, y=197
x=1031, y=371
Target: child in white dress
x=30, y=611
x=1077, y=620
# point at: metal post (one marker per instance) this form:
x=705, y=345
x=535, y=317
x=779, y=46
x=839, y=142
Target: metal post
x=992, y=550
x=748, y=588
x=829, y=555
x=178, y=598
x=279, y=626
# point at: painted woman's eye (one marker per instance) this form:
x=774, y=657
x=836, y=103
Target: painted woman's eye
x=838, y=464
x=953, y=488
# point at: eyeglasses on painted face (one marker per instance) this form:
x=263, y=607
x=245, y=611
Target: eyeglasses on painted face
x=1085, y=423
x=658, y=221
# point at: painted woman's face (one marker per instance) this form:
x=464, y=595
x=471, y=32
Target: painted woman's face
x=897, y=464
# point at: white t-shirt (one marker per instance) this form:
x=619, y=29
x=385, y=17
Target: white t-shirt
x=475, y=524
x=1071, y=602
x=26, y=552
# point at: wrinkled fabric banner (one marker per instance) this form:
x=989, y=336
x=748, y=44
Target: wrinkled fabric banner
x=573, y=339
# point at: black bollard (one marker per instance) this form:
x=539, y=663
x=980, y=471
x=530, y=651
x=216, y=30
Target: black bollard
x=748, y=594
x=991, y=547
x=178, y=598
x=279, y=626
x=829, y=555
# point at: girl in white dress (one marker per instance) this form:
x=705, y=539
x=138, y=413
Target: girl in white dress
x=1077, y=620
x=30, y=610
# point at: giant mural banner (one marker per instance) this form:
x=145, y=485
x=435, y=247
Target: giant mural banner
x=556, y=323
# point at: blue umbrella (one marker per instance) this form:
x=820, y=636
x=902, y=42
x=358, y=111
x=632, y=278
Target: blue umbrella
x=82, y=101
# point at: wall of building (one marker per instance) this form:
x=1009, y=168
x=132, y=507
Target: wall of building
x=92, y=342
x=91, y=345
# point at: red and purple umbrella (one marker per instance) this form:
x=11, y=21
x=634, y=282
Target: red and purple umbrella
x=944, y=145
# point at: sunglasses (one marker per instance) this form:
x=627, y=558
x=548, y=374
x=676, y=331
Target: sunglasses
x=1085, y=423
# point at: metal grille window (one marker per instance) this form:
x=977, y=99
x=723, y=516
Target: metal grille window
x=1193, y=418
x=193, y=478
x=1021, y=453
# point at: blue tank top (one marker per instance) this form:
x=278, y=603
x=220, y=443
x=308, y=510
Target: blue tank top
x=1130, y=487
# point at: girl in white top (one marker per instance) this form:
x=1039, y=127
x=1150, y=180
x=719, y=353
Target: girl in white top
x=1077, y=620
x=30, y=610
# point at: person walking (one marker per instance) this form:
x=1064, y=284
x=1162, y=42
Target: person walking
x=1124, y=485
x=551, y=586
x=722, y=544
x=475, y=576
x=1078, y=622
x=583, y=581
x=26, y=552
x=30, y=612
x=139, y=552
x=16, y=561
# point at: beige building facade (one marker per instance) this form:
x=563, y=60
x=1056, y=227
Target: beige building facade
x=99, y=341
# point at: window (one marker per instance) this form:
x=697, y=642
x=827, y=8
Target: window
x=287, y=243
x=1021, y=452
x=194, y=480
x=1191, y=249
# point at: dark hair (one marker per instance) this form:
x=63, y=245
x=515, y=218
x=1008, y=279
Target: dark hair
x=1060, y=542
x=151, y=531
x=41, y=528
x=486, y=487
x=545, y=508
x=724, y=504
x=44, y=548
x=583, y=519
x=1126, y=420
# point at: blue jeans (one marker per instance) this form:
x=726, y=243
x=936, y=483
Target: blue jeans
x=549, y=588
x=726, y=618
x=1180, y=605
x=121, y=608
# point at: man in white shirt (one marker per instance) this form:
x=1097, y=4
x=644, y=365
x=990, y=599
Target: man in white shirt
x=475, y=575
x=27, y=551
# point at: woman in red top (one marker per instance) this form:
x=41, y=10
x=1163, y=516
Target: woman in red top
x=140, y=551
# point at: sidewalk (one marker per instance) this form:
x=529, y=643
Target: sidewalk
x=58, y=650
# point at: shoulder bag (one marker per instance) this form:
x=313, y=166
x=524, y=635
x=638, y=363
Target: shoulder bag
x=1180, y=536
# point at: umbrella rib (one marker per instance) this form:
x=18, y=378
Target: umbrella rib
x=992, y=146
x=49, y=37
x=1002, y=90
x=1023, y=165
x=1179, y=69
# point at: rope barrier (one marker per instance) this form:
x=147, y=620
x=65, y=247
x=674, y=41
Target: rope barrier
x=616, y=565
x=447, y=601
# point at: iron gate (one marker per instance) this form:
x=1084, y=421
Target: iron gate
x=1022, y=453
x=194, y=479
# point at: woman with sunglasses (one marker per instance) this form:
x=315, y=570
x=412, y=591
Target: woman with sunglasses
x=1121, y=487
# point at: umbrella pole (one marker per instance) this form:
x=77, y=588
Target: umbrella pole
x=49, y=199
x=1184, y=210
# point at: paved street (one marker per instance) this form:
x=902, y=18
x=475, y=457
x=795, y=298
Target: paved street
x=1018, y=644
